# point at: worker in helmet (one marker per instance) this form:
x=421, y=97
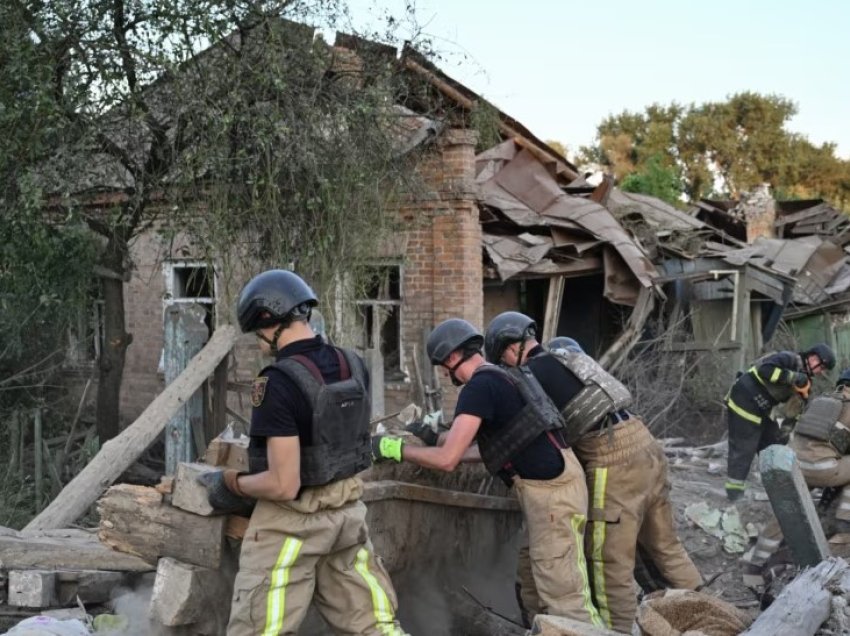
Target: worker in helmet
x=771, y=380
x=626, y=469
x=307, y=540
x=520, y=439
x=821, y=442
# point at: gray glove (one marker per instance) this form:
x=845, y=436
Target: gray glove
x=424, y=432
x=220, y=495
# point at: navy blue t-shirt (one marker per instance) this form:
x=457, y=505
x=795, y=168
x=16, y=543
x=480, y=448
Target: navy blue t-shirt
x=284, y=410
x=560, y=384
x=495, y=399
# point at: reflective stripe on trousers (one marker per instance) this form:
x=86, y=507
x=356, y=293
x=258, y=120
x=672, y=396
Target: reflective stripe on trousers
x=597, y=543
x=276, y=599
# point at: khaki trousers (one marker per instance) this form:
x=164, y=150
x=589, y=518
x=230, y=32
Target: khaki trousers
x=629, y=489
x=316, y=548
x=554, y=512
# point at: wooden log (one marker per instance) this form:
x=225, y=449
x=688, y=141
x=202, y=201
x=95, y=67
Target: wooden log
x=236, y=526
x=71, y=550
x=90, y=586
x=792, y=504
x=804, y=604
x=185, y=336
x=135, y=520
x=188, y=494
x=32, y=588
x=382, y=490
x=184, y=593
x=119, y=453
x=548, y=625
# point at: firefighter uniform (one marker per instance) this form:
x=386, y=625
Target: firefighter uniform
x=315, y=547
x=821, y=443
x=627, y=480
x=770, y=381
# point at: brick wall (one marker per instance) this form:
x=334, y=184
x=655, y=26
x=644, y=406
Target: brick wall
x=442, y=279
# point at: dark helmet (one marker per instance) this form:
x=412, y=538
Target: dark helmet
x=278, y=292
x=844, y=378
x=450, y=335
x=563, y=342
x=505, y=329
x=824, y=353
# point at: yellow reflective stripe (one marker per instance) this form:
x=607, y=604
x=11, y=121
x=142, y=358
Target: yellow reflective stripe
x=276, y=600
x=600, y=483
x=756, y=375
x=381, y=606
x=750, y=417
x=777, y=373
x=578, y=522
x=735, y=485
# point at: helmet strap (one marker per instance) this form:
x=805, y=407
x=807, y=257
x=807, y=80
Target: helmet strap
x=272, y=342
x=466, y=355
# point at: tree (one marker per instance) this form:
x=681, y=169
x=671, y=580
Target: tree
x=655, y=180
x=721, y=148
x=196, y=117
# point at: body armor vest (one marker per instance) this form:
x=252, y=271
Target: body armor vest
x=539, y=415
x=821, y=421
x=602, y=394
x=340, y=429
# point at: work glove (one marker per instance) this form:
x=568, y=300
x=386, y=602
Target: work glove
x=386, y=449
x=223, y=492
x=424, y=432
x=803, y=386
x=734, y=490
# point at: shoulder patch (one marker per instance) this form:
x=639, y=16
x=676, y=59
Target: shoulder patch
x=258, y=390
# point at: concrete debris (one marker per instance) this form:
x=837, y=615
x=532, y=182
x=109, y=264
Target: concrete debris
x=724, y=525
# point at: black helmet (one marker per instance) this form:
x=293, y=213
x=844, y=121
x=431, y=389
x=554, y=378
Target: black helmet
x=844, y=378
x=505, y=329
x=450, y=335
x=823, y=352
x=278, y=292
x=563, y=342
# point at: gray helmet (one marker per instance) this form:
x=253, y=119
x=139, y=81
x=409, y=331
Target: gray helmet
x=450, y=335
x=563, y=342
x=505, y=329
x=276, y=292
x=844, y=378
x=822, y=351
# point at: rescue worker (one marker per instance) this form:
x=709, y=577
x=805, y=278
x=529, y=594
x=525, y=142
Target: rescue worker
x=519, y=435
x=821, y=442
x=307, y=539
x=771, y=380
x=625, y=466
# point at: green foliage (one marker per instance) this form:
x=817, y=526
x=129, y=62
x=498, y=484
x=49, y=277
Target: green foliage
x=664, y=182
x=723, y=147
x=485, y=120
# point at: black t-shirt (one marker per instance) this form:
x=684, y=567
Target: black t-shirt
x=284, y=410
x=560, y=384
x=494, y=398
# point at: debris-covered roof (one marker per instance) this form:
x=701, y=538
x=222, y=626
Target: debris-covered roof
x=532, y=227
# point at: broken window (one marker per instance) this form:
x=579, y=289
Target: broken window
x=191, y=282
x=379, y=316
x=85, y=336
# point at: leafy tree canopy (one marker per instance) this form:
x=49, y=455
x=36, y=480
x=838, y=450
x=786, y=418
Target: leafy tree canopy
x=723, y=148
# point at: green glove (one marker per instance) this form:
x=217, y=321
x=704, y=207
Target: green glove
x=385, y=449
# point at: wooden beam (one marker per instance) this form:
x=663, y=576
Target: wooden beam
x=119, y=453
x=804, y=604
x=219, y=400
x=383, y=490
x=553, y=308
x=65, y=550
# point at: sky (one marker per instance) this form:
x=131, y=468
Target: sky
x=561, y=66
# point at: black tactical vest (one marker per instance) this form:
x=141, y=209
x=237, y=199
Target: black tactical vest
x=340, y=430
x=539, y=415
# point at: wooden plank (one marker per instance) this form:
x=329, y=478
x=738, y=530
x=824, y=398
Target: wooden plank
x=90, y=586
x=703, y=346
x=553, y=308
x=803, y=605
x=119, y=453
x=185, y=336
x=382, y=490
x=792, y=504
x=134, y=519
x=69, y=550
